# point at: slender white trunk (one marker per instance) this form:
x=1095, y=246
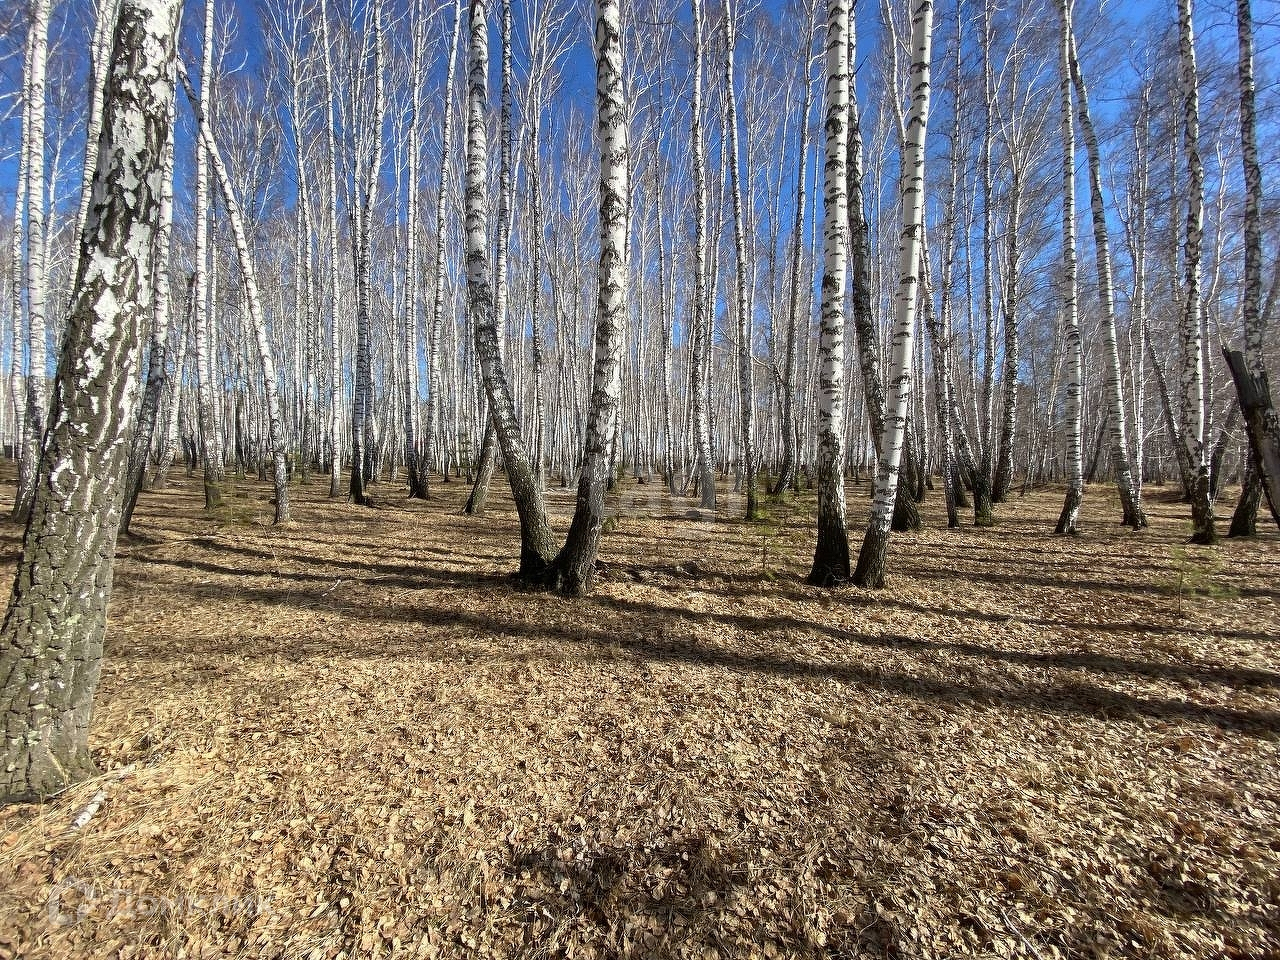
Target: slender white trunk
x=1192, y=380
x=437, y=300
x=743, y=305
x=536, y=548
x=701, y=320
x=871, y=558
x=790, y=428
x=37, y=411
x=576, y=563
x=249, y=279
x=831, y=554
x=214, y=471
x=1116, y=414
x=1068, y=521
x=335, y=358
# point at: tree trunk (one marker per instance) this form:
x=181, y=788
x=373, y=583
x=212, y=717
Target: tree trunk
x=831, y=554
x=211, y=437
x=437, y=299
x=144, y=432
x=1192, y=379
x=1130, y=496
x=1263, y=425
x=870, y=571
x=574, y=568
x=248, y=277
x=702, y=297
x=37, y=410
x=790, y=429
x=1069, y=519
x=536, y=547
x=51, y=640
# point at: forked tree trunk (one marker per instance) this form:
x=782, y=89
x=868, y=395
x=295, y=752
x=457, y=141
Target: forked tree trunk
x=1116, y=417
x=1263, y=424
x=51, y=640
x=870, y=571
x=1249, y=369
x=536, y=547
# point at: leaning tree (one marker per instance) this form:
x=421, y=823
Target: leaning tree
x=51, y=640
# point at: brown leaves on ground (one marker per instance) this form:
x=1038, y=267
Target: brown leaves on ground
x=354, y=738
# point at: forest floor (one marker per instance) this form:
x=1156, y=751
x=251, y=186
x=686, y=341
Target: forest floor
x=353, y=738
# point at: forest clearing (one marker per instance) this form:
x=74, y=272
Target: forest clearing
x=1029, y=746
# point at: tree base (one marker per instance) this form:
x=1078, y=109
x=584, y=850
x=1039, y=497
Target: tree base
x=906, y=513
x=871, y=559
x=43, y=777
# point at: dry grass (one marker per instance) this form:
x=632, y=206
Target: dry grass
x=1025, y=746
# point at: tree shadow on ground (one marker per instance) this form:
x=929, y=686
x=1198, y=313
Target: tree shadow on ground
x=1067, y=697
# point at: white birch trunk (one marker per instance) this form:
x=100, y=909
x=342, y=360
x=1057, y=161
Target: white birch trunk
x=576, y=562
x=1068, y=521
x=702, y=308
x=831, y=554
x=871, y=559
x=536, y=548
x=37, y=409
x=1116, y=414
x=1192, y=381
x=253, y=301
x=742, y=293
x=437, y=299
x=51, y=641
x=214, y=471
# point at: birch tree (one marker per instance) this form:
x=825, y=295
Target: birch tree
x=1116, y=415
x=144, y=432
x=831, y=555
x=575, y=565
x=210, y=433
x=536, y=547
x=789, y=426
x=51, y=639
x=701, y=306
x=743, y=305
x=249, y=281
x=436, y=323
x=33, y=140
x=1068, y=521
x=870, y=570
x=1192, y=380
x=1249, y=370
